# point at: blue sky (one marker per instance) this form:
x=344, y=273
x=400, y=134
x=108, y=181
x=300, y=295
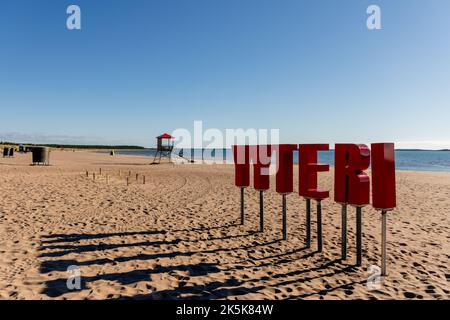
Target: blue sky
x=142, y=67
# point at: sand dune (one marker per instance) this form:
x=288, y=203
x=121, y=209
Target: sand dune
x=178, y=236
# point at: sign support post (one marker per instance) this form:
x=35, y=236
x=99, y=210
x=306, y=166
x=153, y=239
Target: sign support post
x=284, y=177
x=242, y=172
x=352, y=187
x=319, y=225
x=383, y=243
x=242, y=205
x=344, y=232
x=358, y=236
x=284, y=216
x=308, y=186
x=261, y=210
x=384, y=196
x=260, y=157
x=308, y=223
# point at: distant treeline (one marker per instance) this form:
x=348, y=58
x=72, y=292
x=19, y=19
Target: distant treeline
x=72, y=146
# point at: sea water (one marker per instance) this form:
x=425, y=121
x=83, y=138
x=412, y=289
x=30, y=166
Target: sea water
x=418, y=160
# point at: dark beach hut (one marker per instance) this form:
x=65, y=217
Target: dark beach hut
x=41, y=156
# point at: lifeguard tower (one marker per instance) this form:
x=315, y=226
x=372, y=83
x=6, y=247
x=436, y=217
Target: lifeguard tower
x=164, y=148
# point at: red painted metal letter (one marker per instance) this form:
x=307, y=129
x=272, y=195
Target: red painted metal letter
x=285, y=167
x=261, y=156
x=308, y=169
x=383, y=176
x=241, y=166
x=351, y=183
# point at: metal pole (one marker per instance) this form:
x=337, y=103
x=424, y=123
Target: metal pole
x=308, y=223
x=344, y=232
x=284, y=217
x=383, y=243
x=242, y=206
x=319, y=226
x=261, y=211
x=358, y=236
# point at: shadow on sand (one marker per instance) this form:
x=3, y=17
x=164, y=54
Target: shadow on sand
x=230, y=286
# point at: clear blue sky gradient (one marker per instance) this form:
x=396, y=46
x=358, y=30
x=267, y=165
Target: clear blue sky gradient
x=310, y=68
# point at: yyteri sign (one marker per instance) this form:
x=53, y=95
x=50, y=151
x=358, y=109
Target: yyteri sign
x=351, y=183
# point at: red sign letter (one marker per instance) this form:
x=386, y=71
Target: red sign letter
x=351, y=183
x=308, y=169
x=383, y=176
x=285, y=167
x=261, y=156
x=241, y=166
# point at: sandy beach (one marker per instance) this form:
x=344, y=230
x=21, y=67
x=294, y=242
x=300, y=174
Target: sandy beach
x=178, y=235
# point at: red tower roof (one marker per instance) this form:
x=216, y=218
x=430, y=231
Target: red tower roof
x=165, y=136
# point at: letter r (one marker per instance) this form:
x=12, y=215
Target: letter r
x=351, y=183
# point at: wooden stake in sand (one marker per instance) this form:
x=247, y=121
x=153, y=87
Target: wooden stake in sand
x=100, y=171
x=143, y=180
x=93, y=176
x=87, y=174
x=137, y=176
x=128, y=181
